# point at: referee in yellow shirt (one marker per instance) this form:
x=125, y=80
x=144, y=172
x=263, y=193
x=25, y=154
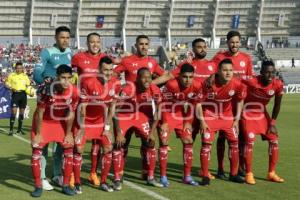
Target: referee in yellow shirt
x=17, y=82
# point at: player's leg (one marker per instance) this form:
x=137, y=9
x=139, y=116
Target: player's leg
x=248, y=155
x=241, y=154
x=67, y=169
x=221, y=155
x=77, y=163
x=57, y=164
x=187, y=142
x=46, y=185
x=95, y=156
x=13, y=114
x=207, y=139
x=22, y=106
x=106, y=160
x=36, y=170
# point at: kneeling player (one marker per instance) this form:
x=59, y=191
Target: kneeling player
x=216, y=115
x=95, y=116
x=256, y=120
x=135, y=110
x=180, y=94
x=52, y=122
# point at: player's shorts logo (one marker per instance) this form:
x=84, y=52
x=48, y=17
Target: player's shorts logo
x=242, y=63
x=231, y=93
x=190, y=95
x=150, y=65
x=206, y=135
x=68, y=101
x=251, y=135
x=111, y=92
x=271, y=92
x=210, y=68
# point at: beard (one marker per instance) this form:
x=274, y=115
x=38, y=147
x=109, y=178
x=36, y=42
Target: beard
x=201, y=56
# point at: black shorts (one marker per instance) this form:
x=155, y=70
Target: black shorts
x=19, y=99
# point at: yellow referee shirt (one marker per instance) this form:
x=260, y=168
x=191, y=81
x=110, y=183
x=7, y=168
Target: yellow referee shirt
x=17, y=82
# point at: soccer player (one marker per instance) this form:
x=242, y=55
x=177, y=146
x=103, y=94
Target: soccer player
x=179, y=93
x=130, y=65
x=216, y=114
x=137, y=108
x=17, y=82
x=52, y=122
x=87, y=65
x=203, y=67
x=96, y=111
x=50, y=59
x=242, y=69
x=256, y=120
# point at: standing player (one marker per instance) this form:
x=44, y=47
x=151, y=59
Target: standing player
x=179, y=93
x=130, y=65
x=242, y=69
x=52, y=122
x=203, y=67
x=87, y=65
x=137, y=110
x=17, y=82
x=216, y=114
x=256, y=120
x=96, y=111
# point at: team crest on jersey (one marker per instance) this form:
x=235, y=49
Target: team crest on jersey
x=231, y=93
x=111, y=92
x=68, y=101
x=251, y=135
x=271, y=92
x=210, y=68
x=242, y=63
x=206, y=135
x=150, y=65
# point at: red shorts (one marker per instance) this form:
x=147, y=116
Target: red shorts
x=51, y=131
x=256, y=123
x=90, y=134
x=219, y=125
x=138, y=121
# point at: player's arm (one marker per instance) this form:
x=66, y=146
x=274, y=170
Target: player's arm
x=239, y=108
x=199, y=110
x=69, y=124
x=109, y=118
x=163, y=79
x=275, y=113
x=39, y=119
x=39, y=68
x=8, y=82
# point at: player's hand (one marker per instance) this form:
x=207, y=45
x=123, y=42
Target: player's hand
x=189, y=58
x=164, y=128
x=187, y=127
x=151, y=139
x=79, y=136
x=204, y=127
x=69, y=139
x=236, y=126
x=120, y=140
x=272, y=130
x=108, y=134
x=38, y=138
x=210, y=81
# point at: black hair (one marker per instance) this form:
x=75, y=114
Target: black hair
x=231, y=34
x=61, y=69
x=186, y=67
x=195, y=41
x=62, y=29
x=91, y=34
x=265, y=64
x=106, y=60
x=142, y=70
x=140, y=37
x=18, y=63
x=225, y=61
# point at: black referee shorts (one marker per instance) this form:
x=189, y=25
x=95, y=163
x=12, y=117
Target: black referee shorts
x=19, y=99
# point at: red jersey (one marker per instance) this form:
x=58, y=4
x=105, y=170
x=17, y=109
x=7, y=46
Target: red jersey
x=56, y=106
x=86, y=63
x=258, y=96
x=219, y=98
x=242, y=63
x=136, y=101
x=203, y=68
x=98, y=96
x=131, y=64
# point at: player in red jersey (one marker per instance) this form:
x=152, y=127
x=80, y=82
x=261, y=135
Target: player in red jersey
x=256, y=120
x=216, y=114
x=86, y=63
x=130, y=65
x=137, y=109
x=242, y=69
x=203, y=67
x=52, y=122
x=93, y=123
x=180, y=95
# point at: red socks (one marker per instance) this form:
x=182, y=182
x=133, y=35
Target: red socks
x=67, y=165
x=151, y=161
x=234, y=158
x=106, y=163
x=273, y=155
x=187, y=159
x=163, y=160
x=204, y=158
x=77, y=162
x=94, y=156
x=248, y=154
x=36, y=166
x=117, y=164
x=143, y=153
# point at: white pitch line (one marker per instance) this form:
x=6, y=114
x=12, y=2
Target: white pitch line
x=128, y=183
